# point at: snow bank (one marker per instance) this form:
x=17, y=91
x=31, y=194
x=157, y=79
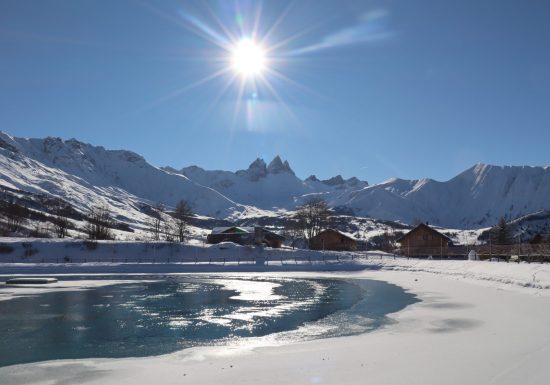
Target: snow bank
x=51, y=256
x=79, y=251
x=534, y=275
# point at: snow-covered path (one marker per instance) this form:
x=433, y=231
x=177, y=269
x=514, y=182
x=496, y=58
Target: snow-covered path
x=469, y=330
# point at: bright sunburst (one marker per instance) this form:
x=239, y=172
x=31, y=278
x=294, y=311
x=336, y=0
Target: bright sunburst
x=246, y=54
x=248, y=58
x=250, y=55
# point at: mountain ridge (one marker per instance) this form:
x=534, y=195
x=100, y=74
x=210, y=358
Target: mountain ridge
x=85, y=174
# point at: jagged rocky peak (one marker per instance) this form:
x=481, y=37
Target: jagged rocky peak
x=334, y=181
x=189, y=170
x=256, y=170
x=51, y=144
x=7, y=142
x=353, y=181
x=73, y=143
x=259, y=163
x=74, y=149
x=312, y=178
x=131, y=156
x=277, y=166
x=338, y=180
x=173, y=170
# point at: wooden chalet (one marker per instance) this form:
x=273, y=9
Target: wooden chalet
x=424, y=241
x=245, y=236
x=331, y=239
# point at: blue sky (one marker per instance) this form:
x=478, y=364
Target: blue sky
x=372, y=89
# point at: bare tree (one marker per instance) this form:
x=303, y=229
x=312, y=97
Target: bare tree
x=312, y=217
x=99, y=223
x=182, y=216
x=387, y=241
x=61, y=222
x=293, y=231
x=14, y=213
x=40, y=230
x=156, y=221
x=169, y=230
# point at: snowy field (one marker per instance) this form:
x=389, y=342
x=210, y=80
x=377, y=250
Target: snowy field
x=477, y=323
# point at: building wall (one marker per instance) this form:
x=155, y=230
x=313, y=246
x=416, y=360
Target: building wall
x=243, y=239
x=332, y=240
x=423, y=241
x=423, y=237
x=272, y=242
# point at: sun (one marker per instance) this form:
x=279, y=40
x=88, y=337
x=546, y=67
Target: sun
x=248, y=58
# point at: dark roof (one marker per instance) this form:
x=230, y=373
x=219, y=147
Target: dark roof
x=232, y=230
x=243, y=230
x=338, y=232
x=422, y=225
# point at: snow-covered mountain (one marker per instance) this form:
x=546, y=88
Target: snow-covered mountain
x=86, y=175
x=270, y=186
x=473, y=199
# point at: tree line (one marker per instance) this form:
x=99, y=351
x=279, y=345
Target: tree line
x=502, y=233
x=58, y=217
x=309, y=219
x=170, y=225
x=163, y=224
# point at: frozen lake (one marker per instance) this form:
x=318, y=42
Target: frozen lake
x=140, y=318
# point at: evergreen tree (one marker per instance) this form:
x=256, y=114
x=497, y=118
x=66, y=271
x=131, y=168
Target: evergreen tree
x=501, y=233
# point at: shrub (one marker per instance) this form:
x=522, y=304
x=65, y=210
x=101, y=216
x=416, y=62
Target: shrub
x=30, y=252
x=90, y=245
x=5, y=248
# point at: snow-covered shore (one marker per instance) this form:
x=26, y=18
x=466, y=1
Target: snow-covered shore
x=534, y=275
x=59, y=251
x=477, y=323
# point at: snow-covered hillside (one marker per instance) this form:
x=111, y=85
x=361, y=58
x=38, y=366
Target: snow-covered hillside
x=86, y=175
x=475, y=198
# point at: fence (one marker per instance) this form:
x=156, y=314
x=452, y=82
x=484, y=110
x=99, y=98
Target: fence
x=527, y=252
x=278, y=258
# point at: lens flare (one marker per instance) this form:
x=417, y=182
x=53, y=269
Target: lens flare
x=248, y=58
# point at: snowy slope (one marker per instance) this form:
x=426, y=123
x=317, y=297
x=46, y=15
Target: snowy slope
x=473, y=199
x=86, y=175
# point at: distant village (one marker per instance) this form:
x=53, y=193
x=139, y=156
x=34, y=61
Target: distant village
x=422, y=241
x=312, y=226
x=308, y=229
